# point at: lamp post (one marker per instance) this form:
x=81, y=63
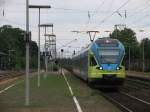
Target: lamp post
x=9, y=54
x=129, y=58
x=39, y=7
x=45, y=27
x=27, y=55
x=143, y=56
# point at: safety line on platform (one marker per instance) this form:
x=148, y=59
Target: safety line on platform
x=74, y=97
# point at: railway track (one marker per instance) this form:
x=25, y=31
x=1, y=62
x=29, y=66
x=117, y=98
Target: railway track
x=9, y=75
x=12, y=74
x=134, y=96
x=126, y=102
x=139, y=89
x=145, y=83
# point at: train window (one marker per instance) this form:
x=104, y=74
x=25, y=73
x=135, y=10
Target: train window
x=107, y=43
x=109, y=59
x=109, y=52
x=92, y=61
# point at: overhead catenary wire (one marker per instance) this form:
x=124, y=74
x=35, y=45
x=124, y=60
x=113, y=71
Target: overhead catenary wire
x=137, y=12
x=96, y=11
x=78, y=10
x=92, y=14
x=133, y=16
x=107, y=17
x=142, y=17
x=139, y=7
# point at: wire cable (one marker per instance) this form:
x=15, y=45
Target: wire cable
x=114, y=12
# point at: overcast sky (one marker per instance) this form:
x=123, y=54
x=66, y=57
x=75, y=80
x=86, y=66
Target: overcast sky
x=82, y=15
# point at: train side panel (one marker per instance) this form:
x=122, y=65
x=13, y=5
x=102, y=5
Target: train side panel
x=80, y=65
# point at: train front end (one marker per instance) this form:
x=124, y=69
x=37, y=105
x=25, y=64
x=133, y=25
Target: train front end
x=105, y=62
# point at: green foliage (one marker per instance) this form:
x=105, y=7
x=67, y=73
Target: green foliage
x=12, y=39
x=146, y=43
x=128, y=38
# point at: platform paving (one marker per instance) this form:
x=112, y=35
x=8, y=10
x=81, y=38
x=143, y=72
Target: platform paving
x=53, y=96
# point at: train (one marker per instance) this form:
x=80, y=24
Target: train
x=100, y=63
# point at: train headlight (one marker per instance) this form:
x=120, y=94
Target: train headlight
x=101, y=68
x=118, y=68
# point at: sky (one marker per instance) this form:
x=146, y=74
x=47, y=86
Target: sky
x=78, y=15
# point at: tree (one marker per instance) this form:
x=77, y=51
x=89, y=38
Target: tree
x=126, y=36
x=146, y=44
x=12, y=39
x=129, y=40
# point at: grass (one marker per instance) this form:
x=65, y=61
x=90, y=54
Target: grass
x=90, y=99
x=53, y=95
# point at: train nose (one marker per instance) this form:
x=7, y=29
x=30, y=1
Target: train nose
x=109, y=67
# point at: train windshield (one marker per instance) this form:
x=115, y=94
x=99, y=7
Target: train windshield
x=109, y=56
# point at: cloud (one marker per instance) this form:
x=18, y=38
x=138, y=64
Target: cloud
x=77, y=18
x=2, y=2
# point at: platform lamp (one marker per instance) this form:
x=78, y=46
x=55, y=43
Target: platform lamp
x=39, y=7
x=143, y=56
x=45, y=26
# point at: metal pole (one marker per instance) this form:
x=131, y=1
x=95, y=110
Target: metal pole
x=129, y=58
x=39, y=7
x=143, y=57
x=27, y=57
x=45, y=53
x=39, y=52
x=9, y=58
x=52, y=30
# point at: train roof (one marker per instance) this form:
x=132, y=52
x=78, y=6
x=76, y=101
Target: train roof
x=101, y=42
x=107, y=42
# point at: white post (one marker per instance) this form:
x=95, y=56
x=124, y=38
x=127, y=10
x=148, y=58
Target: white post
x=46, y=63
x=39, y=52
x=27, y=56
x=143, y=57
x=129, y=58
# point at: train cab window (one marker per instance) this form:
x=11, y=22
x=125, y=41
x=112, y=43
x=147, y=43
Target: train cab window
x=92, y=61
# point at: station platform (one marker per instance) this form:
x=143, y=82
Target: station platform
x=54, y=95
